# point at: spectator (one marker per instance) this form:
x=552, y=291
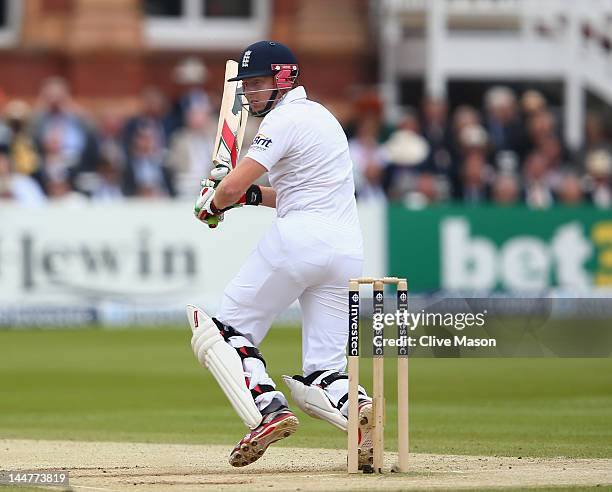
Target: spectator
x=17, y=187
x=109, y=139
x=435, y=124
x=23, y=151
x=108, y=187
x=557, y=166
x=463, y=117
x=435, y=129
x=475, y=174
x=595, y=139
x=474, y=187
x=426, y=191
x=145, y=174
x=60, y=191
x=58, y=115
x=595, y=134
x=507, y=162
x=541, y=127
x=502, y=122
x=599, y=182
x=368, y=161
x=191, y=150
x=506, y=190
x=409, y=122
x=406, y=154
x=570, y=190
x=5, y=131
x=538, y=193
x=367, y=105
x=153, y=114
x=532, y=102
x=473, y=139
x=56, y=164
x=189, y=76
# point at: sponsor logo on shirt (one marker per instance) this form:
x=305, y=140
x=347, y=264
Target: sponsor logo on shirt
x=261, y=141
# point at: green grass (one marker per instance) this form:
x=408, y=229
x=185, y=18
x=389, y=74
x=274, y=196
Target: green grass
x=145, y=385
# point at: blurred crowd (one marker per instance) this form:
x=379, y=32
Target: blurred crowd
x=55, y=150
x=510, y=151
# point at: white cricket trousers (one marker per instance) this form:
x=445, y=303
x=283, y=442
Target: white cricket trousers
x=309, y=259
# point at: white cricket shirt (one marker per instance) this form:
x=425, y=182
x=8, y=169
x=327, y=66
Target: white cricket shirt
x=306, y=153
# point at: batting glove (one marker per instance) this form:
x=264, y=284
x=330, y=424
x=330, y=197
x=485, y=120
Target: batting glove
x=205, y=209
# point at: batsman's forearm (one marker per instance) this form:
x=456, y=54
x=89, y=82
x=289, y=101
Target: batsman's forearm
x=268, y=197
x=226, y=196
x=237, y=182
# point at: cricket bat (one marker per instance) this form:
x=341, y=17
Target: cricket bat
x=231, y=126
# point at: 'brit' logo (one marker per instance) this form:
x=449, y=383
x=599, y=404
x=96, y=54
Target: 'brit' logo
x=246, y=58
x=262, y=141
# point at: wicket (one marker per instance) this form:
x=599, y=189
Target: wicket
x=378, y=400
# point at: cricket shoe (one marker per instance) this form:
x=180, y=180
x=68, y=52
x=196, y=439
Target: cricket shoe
x=274, y=427
x=366, y=441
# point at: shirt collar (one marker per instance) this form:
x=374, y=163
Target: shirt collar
x=293, y=95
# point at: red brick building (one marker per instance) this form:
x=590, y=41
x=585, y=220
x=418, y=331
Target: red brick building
x=109, y=50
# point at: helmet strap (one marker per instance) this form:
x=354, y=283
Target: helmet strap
x=268, y=108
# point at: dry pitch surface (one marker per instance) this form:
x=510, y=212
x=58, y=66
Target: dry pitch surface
x=107, y=466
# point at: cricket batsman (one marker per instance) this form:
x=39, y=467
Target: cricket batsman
x=308, y=254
